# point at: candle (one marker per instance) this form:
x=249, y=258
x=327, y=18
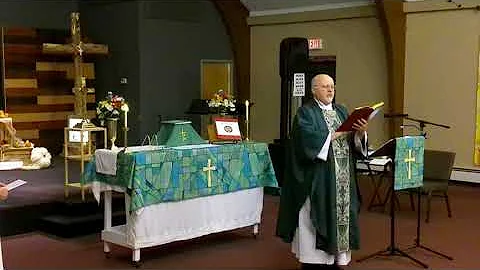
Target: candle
x=125, y=109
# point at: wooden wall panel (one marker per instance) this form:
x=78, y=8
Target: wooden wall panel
x=38, y=86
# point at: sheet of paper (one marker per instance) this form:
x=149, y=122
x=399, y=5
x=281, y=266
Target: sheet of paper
x=15, y=184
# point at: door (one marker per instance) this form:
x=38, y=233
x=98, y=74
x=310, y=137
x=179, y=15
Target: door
x=215, y=75
x=319, y=65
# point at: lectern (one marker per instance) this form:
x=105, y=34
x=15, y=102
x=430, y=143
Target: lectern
x=406, y=154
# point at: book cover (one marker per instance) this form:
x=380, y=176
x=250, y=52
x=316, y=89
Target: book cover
x=366, y=112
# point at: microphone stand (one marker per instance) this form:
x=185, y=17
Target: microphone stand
x=418, y=243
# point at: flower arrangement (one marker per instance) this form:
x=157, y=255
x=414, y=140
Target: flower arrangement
x=222, y=103
x=111, y=107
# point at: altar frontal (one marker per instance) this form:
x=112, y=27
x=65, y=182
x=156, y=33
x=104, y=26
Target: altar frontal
x=176, y=171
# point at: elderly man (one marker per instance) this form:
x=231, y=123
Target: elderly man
x=319, y=202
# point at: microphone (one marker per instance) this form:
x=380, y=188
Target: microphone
x=395, y=115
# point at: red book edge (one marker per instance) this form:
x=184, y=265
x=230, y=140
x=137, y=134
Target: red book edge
x=226, y=137
x=360, y=113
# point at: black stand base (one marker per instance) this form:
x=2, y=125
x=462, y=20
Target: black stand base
x=417, y=240
x=431, y=250
x=392, y=251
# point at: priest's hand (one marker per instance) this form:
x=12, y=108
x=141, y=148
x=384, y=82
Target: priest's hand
x=336, y=135
x=3, y=192
x=361, y=125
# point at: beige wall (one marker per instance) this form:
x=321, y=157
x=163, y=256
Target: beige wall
x=358, y=45
x=441, y=77
x=442, y=50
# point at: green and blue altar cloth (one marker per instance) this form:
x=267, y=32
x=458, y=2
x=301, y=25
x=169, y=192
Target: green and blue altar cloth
x=409, y=151
x=181, y=173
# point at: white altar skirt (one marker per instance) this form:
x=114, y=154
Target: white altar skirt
x=173, y=221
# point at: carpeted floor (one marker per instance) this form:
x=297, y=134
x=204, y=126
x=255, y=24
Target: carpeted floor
x=43, y=186
x=458, y=237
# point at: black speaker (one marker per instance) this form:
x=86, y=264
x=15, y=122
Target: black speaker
x=293, y=56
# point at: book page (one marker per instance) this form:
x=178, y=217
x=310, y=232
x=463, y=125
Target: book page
x=373, y=114
x=15, y=184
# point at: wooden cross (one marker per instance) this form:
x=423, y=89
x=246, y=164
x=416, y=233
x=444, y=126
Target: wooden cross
x=77, y=48
x=409, y=160
x=209, y=170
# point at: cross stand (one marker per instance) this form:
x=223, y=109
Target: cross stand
x=418, y=243
x=392, y=250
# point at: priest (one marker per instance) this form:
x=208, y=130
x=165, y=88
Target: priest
x=319, y=201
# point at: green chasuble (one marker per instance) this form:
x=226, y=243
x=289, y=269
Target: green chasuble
x=330, y=185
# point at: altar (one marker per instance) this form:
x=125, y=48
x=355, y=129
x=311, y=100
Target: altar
x=176, y=193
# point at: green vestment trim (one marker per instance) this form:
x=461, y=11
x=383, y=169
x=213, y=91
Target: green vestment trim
x=342, y=173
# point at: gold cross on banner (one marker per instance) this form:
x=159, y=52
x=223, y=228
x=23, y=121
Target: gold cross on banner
x=209, y=170
x=409, y=160
x=184, y=135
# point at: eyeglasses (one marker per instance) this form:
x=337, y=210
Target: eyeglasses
x=328, y=86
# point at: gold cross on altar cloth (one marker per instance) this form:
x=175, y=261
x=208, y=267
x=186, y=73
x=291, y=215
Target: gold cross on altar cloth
x=409, y=160
x=184, y=135
x=78, y=49
x=209, y=170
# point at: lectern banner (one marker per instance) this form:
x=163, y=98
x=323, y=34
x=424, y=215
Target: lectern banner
x=409, y=162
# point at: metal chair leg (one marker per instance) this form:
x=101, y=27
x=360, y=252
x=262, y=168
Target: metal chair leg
x=448, y=205
x=429, y=202
x=412, y=203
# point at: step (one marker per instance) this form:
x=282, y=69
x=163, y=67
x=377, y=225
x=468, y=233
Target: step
x=68, y=226
x=87, y=207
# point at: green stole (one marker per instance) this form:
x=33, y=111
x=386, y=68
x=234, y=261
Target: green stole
x=342, y=174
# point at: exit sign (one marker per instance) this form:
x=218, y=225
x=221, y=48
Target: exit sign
x=315, y=44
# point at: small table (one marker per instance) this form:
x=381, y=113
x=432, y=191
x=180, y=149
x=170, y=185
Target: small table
x=375, y=167
x=83, y=138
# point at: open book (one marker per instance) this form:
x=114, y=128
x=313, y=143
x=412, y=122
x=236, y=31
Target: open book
x=366, y=112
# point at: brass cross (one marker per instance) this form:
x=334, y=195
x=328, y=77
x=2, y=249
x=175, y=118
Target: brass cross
x=409, y=160
x=184, y=135
x=78, y=49
x=209, y=170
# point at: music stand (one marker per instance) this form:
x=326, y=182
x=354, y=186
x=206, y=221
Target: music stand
x=388, y=149
x=418, y=243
